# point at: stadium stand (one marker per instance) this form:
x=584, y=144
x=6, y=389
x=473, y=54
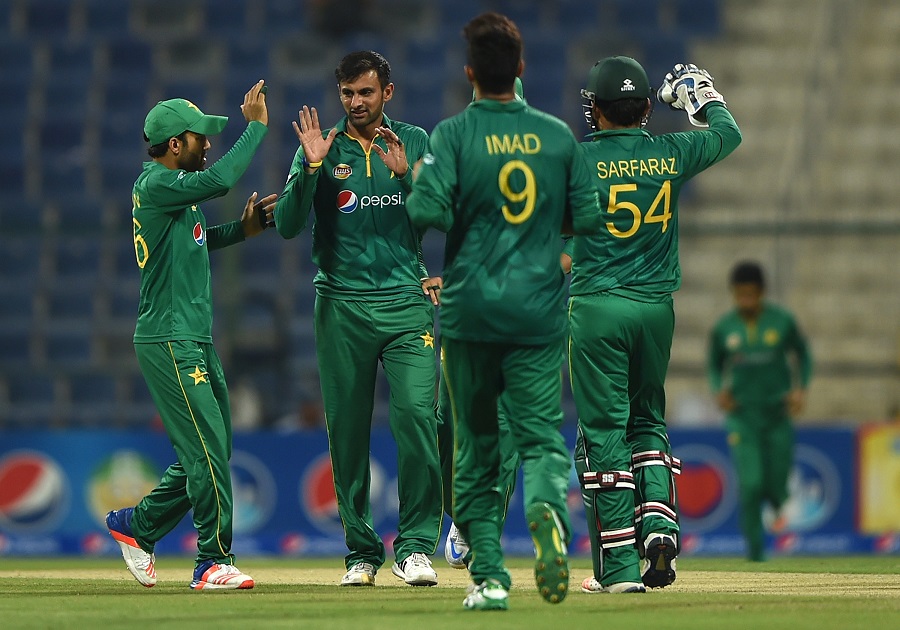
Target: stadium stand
x=77, y=77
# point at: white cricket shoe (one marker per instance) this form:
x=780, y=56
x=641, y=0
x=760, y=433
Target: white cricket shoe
x=456, y=548
x=489, y=595
x=140, y=564
x=214, y=576
x=415, y=570
x=591, y=586
x=360, y=574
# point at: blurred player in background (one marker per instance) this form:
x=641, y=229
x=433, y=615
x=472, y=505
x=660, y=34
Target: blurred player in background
x=759, y=368
x=370, y=308
x=621, y=318
x=173, y=336
x=502, y=179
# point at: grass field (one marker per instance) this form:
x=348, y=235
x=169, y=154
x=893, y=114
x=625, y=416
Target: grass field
x=795, y=593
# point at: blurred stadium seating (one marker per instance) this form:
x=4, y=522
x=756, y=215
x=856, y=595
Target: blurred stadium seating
x=808, y=194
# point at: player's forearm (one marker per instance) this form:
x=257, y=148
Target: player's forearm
x=294, y=204
x=426, y=210
x=722, y=123
x=804, y=365
x=230, y=167
x=220, y=236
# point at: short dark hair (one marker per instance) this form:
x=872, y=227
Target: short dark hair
x=159, y=150
x=748, y=272
x=494, y=51
x=358, y=63
x=623, y=112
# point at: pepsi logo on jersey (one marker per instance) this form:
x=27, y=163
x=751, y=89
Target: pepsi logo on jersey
x=199, y=234
x=347, y=201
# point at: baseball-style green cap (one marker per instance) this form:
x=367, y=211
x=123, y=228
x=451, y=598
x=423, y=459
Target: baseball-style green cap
x=616, y=78
x=170, y=118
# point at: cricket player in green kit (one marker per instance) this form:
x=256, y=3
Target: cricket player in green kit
x=621, y=318
x=503, y=179
x=759, y=389
x=173, y=335
x=370, y=308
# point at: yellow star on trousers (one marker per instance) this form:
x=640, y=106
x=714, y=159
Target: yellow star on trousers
x=198, y=376
x=429, y=340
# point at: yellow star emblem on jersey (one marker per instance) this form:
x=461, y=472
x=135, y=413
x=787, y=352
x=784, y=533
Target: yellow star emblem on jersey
x=198, y=376
x=428, y=339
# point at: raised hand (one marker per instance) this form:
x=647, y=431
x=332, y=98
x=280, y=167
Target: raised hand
x=395, y=156
x=309, y=133
x=254, y=107
x=689, y=88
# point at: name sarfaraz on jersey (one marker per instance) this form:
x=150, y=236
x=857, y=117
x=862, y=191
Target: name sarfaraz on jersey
x=347, y=201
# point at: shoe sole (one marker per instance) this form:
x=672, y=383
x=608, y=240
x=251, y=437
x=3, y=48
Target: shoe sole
x=207, y=586
x=659, y=557
x=490, y=605
x=396, y=570
x=551, y=565
x=125, y=544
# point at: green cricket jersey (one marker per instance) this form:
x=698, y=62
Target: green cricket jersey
x=502, y=179
x=171, y=242
x=639, y=177
x=752, y=358
x=363, y=243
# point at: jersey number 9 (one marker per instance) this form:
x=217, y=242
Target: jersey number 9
x=527, y=194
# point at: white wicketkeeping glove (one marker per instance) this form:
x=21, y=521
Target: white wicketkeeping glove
x=689, y=88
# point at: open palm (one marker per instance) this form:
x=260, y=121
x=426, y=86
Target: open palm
x=309, y=132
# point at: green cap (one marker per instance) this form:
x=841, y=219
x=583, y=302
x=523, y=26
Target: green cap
x=517, y=86
x=616, y=78
x=170, y=118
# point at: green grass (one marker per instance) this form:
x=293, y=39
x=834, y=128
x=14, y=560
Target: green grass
x=794, y=593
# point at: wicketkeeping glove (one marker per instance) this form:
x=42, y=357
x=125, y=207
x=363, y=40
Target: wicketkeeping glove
x=689, y=88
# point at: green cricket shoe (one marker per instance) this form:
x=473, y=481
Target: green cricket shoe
x=551, y=565
x=489, y=595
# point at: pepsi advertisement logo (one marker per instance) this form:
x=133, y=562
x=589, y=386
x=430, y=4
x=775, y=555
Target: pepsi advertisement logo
x=707, y=490
x=814, y=491
x=254, y=492
x=34, y=494
x=319, y=502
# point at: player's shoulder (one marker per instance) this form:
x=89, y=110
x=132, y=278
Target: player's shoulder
x=778, y=311
x=408, y=131
x=727, y=321
x=547, y=119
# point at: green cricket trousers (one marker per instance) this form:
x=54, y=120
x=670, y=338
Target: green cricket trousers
x=509, y=457
x=761, y=439
x=352, y=337
x=186, y=381
x=528, y=377
x=618, y=356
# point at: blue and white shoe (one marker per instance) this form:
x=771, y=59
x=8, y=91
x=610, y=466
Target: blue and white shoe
x=456, y=548
x=140, y=563
x=212, y=575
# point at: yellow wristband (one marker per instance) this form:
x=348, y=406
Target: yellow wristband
x=307, y=164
